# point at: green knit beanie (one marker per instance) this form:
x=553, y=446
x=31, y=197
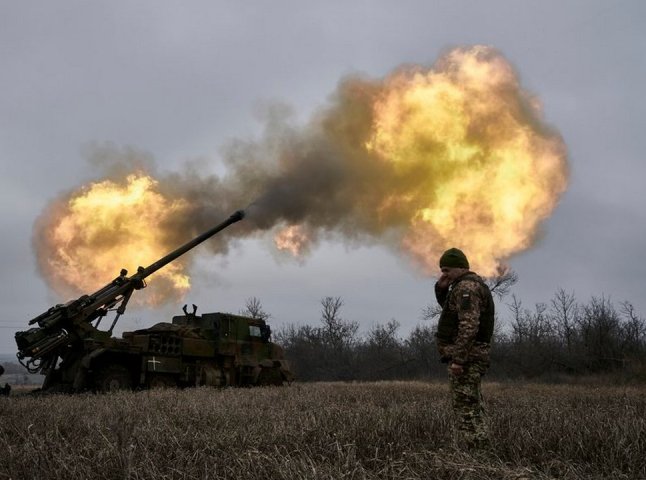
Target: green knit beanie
x=454, y=258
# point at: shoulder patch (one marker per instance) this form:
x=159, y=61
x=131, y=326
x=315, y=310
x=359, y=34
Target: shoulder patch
x=465, y=301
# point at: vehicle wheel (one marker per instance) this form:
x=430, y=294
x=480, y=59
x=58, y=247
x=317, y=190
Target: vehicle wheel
x=270, y=376
x=161, y=381
x=112, y=378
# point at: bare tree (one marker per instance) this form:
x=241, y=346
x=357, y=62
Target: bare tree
x=634, y=329
x=564, y=311
x=339, y=341
x=383, y=337
x=338, y=332
x=429, y=312
x=501, y=283
x=518, y=320
x=331, y=308
x=600, y=330
x=381, y=354
x=422, y=347
x=253, y=308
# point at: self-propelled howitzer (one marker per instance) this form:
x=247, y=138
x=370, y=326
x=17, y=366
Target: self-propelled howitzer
x=66, y=335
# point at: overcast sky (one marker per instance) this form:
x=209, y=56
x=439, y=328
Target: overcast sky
x=181, y=79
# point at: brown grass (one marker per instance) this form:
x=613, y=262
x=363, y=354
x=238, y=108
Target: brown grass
x=398, y=430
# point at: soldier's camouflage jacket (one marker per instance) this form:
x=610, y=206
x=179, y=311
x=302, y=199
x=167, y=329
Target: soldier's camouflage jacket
x=466, y=324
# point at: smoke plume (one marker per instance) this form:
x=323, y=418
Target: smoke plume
x=424, y=159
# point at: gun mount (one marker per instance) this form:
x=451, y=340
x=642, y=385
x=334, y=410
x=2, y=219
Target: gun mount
x=67, y=342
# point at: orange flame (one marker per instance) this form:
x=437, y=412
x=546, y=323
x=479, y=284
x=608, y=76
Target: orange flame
x=107, y=226
x=293, y=239
x=489, y=178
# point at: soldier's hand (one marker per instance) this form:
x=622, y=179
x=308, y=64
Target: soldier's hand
x=456, y=368
x=443, y=281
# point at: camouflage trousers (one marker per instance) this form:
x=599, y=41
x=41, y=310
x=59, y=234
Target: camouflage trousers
x=466, y=399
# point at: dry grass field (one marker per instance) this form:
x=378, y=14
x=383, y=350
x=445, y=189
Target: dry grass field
x=390, y=430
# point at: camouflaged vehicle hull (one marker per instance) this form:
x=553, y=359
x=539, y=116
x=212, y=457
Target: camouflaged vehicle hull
x=212, y=349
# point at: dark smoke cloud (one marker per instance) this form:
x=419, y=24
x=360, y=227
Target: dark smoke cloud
x=318, y=176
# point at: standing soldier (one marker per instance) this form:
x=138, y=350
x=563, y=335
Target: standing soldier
x=463, y=338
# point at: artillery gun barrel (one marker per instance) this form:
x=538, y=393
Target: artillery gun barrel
x=150, y=269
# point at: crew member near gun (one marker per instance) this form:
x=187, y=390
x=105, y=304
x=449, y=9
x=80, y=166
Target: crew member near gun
x=464, y=334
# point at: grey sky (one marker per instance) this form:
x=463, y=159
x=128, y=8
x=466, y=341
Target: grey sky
x=181, y=79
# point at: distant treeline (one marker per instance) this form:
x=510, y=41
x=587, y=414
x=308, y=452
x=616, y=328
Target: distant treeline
x=549, y=342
